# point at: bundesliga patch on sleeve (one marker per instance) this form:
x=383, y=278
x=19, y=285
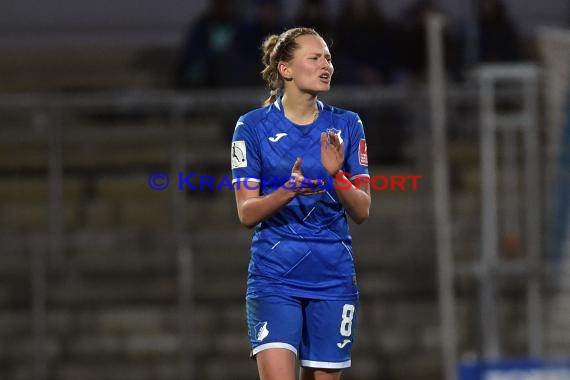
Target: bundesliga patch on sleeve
x=239, y=158
x=363, y=152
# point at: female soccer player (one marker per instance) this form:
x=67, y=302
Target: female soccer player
x=291, y=161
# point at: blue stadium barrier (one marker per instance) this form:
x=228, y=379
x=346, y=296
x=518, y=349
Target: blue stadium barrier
x=522, y=369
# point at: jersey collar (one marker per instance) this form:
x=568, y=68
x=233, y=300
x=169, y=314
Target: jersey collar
x=279, y=105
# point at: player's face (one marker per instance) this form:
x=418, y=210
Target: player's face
x=311, y=68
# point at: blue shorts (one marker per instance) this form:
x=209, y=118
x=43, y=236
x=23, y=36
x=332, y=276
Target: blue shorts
x=319, y=332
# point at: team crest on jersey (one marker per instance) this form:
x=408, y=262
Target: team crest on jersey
x=261, y=331
x=239, y=154
x=336, y=132
x=363, y=152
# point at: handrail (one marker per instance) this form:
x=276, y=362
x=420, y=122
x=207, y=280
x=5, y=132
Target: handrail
x=205, y=99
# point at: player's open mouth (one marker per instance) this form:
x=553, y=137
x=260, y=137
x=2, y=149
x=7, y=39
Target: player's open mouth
x=325, y=77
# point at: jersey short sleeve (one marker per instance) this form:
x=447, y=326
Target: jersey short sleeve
x=356, y=162
x=245, y=155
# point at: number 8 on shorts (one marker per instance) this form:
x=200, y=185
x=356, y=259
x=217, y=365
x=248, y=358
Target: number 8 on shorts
x=346, y=322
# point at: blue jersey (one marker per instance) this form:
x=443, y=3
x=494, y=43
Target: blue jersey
x=305, y=248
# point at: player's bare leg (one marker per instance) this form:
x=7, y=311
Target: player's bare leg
x=276, y=364
x=320, y=374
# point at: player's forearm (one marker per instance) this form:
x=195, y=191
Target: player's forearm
x=254, y=210
x=356, y=201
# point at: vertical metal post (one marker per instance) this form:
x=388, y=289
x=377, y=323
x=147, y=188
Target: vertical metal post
x=56, y=206
x=441, y=194
x=39, y=308
x=491, y=346
x=533, y=217
x=183, y=250
x=510, y=189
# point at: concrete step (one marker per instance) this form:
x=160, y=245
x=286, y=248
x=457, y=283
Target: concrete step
x=36, y=188
x=165, y=368
x=114, y=290
x=15, y=262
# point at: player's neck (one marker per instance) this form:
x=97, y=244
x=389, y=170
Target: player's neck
x=300, y=110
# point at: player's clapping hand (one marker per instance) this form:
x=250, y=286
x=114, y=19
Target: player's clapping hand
x=332, y=152
x=302, y=185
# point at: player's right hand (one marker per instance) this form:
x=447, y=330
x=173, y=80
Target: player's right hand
x=302, y=185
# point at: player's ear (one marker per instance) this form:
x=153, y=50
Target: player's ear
x=285, y=70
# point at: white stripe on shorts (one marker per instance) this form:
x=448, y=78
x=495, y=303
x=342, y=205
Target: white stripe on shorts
x=327, y=365
x=266, y=346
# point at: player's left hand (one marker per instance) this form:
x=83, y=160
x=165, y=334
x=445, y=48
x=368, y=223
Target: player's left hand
x=332, y=152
